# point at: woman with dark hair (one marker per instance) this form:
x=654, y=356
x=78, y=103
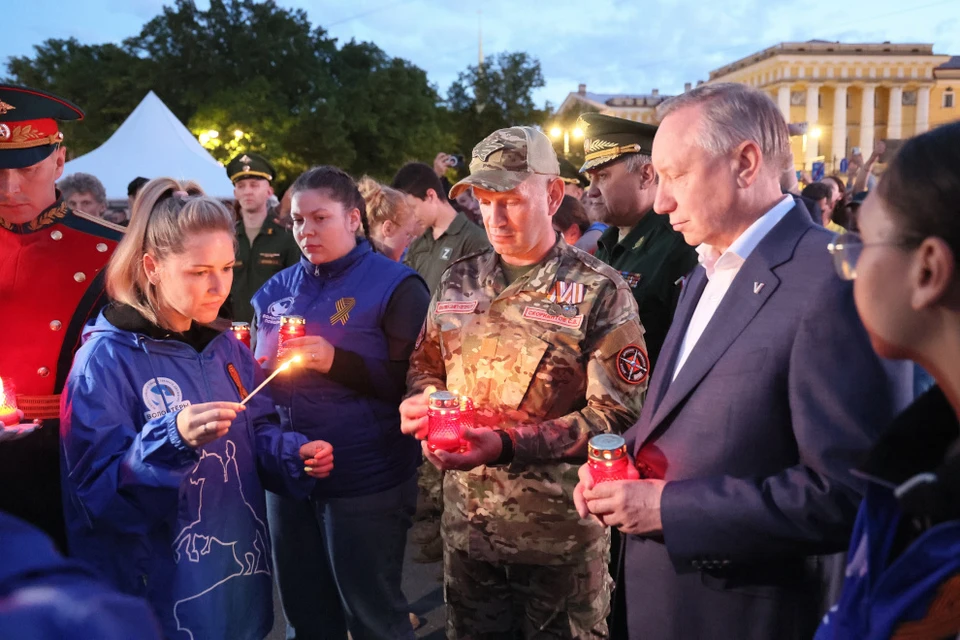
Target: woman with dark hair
x=903, y=573
x=339, y=556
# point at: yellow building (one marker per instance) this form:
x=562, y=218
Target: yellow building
x=848, y=95
x=842, y=95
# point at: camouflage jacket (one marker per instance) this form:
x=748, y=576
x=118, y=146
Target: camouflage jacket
x=552, y=373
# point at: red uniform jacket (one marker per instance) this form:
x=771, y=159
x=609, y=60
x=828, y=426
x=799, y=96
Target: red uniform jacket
x=51, y=283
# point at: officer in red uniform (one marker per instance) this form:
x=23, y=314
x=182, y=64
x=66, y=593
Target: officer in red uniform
x=51, y=282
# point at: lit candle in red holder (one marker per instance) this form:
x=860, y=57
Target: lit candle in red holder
x=9, y=415
x=241, y=331
x=290, y=327
x=447, y=415
x=607, y=457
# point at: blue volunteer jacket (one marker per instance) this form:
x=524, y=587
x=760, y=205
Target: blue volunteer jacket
x=185, y=529
x=343, y=301
x=903, y=568
x=46, y=597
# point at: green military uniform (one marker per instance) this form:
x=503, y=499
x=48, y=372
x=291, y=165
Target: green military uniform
x=551, y=358
x=430, y=257
x=652, y=257
x=273, y=249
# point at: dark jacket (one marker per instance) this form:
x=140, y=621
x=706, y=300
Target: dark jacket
x=756, y=436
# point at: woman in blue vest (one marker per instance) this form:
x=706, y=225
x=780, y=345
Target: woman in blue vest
x=339, y=557
x=163, y=469
x=903, y=565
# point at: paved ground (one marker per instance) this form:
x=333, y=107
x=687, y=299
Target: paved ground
x=422, y=583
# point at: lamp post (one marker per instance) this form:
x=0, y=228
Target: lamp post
x=557, y=132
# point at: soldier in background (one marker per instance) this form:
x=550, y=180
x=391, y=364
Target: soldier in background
x=545, y=340
x=642, y=246
x=264, y=245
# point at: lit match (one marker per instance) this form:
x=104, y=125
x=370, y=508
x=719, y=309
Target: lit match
x=283, y=367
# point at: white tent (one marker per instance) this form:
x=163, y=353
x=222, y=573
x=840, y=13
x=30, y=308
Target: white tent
x=152, y=143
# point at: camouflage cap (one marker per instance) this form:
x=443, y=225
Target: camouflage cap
x=507, y=157
x=606, y=138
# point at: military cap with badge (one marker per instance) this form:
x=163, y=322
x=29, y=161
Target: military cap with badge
x=607, y=138
x=250, y=165
x=29, y=132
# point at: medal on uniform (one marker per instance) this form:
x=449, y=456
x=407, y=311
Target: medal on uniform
x=633, y=279
x=564, y=298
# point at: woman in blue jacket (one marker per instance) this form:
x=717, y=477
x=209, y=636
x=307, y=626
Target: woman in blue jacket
x=903, y=566
x=339, y=558
x=163, y=469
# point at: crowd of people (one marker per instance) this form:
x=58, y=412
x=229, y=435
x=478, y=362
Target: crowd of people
x=756, y=345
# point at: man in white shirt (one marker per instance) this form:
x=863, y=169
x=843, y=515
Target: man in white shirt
x=766, y=394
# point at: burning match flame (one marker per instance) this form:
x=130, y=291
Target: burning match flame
x=283, y=367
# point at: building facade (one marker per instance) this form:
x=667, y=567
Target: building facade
x=837, y=96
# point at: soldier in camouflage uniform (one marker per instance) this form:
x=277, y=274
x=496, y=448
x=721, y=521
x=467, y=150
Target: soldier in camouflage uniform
x=546, y=341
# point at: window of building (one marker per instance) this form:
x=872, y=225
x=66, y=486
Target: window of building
x=948, y=99
x=819, y=101
x=909, y=99
x=848, y=101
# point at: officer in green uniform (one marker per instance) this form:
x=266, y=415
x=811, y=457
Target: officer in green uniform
x=264, y=247
x=648, y=253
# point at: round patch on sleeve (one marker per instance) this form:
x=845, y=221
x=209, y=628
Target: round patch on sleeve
x=632, y=364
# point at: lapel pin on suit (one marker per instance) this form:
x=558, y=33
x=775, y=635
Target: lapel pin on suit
x=757, y=287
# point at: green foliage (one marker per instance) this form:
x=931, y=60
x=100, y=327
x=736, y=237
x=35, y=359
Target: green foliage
x=292, y=94
x=495, y=95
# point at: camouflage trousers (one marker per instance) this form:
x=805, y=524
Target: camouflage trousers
x=430, y=484
x=487, y=601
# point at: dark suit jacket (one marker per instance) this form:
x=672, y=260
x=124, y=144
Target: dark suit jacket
x=779, y=399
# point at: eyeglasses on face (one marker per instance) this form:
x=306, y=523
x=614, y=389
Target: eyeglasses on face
x=847, y=247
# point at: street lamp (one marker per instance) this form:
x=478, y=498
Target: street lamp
x=557, y=132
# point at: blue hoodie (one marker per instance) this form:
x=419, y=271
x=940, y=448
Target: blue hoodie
x=46, y=597
x=184, y=528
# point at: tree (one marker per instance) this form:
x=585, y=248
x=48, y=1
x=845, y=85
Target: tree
x=494, y=95
x=260, y=76
x=104, y=80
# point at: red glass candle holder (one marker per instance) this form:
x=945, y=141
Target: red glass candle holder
x=290, y=327
x=9, y=415
x=607, y=457
x=241, y=331
x=447, y=415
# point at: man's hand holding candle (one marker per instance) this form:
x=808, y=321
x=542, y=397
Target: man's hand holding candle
x=201, y=423
x=632, y=505
x=317, y=458
x=484, y=445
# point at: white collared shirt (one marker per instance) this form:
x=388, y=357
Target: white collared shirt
x=722, y=269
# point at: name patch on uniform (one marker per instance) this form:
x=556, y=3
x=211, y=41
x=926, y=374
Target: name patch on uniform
x=456, y=307
x=632, y=364
x=161, y=395
x=533, y=313
x=237, y=382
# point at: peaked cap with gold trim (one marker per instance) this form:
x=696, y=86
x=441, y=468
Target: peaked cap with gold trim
x=606, y=138
x=29, y=131
x=250, y=165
